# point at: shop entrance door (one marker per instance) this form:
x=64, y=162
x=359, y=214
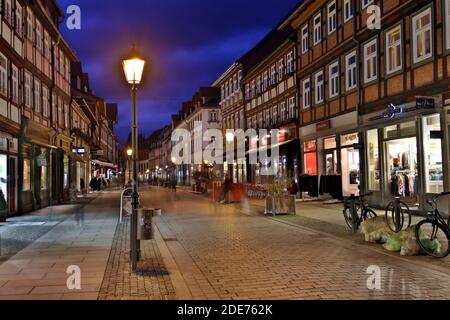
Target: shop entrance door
x=402, y=170
x=350, y=171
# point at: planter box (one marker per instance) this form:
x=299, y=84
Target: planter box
x=280, y=205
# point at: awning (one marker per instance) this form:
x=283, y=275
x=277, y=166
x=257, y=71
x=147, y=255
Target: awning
x=104, y=164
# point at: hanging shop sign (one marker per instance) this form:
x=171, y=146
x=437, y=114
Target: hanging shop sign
x=79, y=151
x=393, y=111
x=42, y=160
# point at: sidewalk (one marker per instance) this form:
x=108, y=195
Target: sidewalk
x=83, y=239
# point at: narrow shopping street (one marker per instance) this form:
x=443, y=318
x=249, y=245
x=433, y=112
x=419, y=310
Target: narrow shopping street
x=204, y=250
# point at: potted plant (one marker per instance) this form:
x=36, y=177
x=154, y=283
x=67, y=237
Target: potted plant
x=278, y=201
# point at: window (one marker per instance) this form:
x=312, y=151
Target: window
x=45, y=101
x=19, y=20
x=235, y=81
x=317, y=29
x=273, y=72
x=447, y=23
x=26, y=175
x=283, y=111
x=37, y=96
x=290, y=62
x=394, y=50
x=213, y=116
x=66, y=116
x=38, y=36
x=265, y=80
x=434, y=178
x=30, y=34
x=54, y=110
x=370, y=61
x=258, y=85
x=8, y=11
x=3, y=75
x=280, y=69
x=305, y=39
x=15, y=84
x=306, y=93
x=348, y=10
x=292, y=108
x=422, y=36
x=350, y=74
x=331, y=17
x=247, y=91
x=253, y=89
x=47, y=46
x=333, y=79
x=28, y=92
x=319, y=87
x=366, y=3
x=373, y=160
x=275, y=114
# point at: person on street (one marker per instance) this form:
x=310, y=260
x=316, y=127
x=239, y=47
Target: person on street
x=226, y=190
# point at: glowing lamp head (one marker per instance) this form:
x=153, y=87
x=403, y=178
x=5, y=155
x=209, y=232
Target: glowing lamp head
x=229, y=136
x=129, y=152
x=133, y=68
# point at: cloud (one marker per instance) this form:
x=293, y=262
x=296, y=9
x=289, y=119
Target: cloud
x=188, y=43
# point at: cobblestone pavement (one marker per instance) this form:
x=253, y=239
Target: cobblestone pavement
x=223, y=253
x=152, y=282
x=21, y=231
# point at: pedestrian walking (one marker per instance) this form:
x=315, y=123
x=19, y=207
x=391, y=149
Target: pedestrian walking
x=226, y=190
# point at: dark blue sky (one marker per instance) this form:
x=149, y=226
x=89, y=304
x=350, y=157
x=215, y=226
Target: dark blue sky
x=189, y=43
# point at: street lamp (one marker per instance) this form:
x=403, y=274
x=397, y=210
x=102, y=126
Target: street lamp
x=129, y=154
x=133, y=68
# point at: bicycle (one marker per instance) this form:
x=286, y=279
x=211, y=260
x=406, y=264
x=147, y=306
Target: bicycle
x=396, y=212
x=356, y=211
x=433, y=233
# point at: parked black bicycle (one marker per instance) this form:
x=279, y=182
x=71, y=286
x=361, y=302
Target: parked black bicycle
x=356, y=211
x=397, y=213
x=433, y=233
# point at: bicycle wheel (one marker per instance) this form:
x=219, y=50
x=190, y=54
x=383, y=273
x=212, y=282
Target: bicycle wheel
x=351, y=219
x=433, y=238
x=396, y=213
x=369, y=214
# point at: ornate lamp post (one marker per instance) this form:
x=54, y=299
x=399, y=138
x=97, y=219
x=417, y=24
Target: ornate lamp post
x=133, y=68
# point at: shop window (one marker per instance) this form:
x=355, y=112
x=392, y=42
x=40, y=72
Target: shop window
x=373, y=161
x=44, y=178
x=422, y=36
x=349, y=139
x=4, y=177
x=331, y=160
x=408, y=128
x=434, y=178
x=310, y=150
x=66, y=172
x=26, y=175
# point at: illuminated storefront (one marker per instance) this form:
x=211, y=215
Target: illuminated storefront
x=404, y=153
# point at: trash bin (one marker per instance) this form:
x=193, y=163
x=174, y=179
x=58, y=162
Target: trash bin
x=145, y=224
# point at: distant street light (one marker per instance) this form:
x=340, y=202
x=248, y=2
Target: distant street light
x=133, y=68
x=129, y=154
